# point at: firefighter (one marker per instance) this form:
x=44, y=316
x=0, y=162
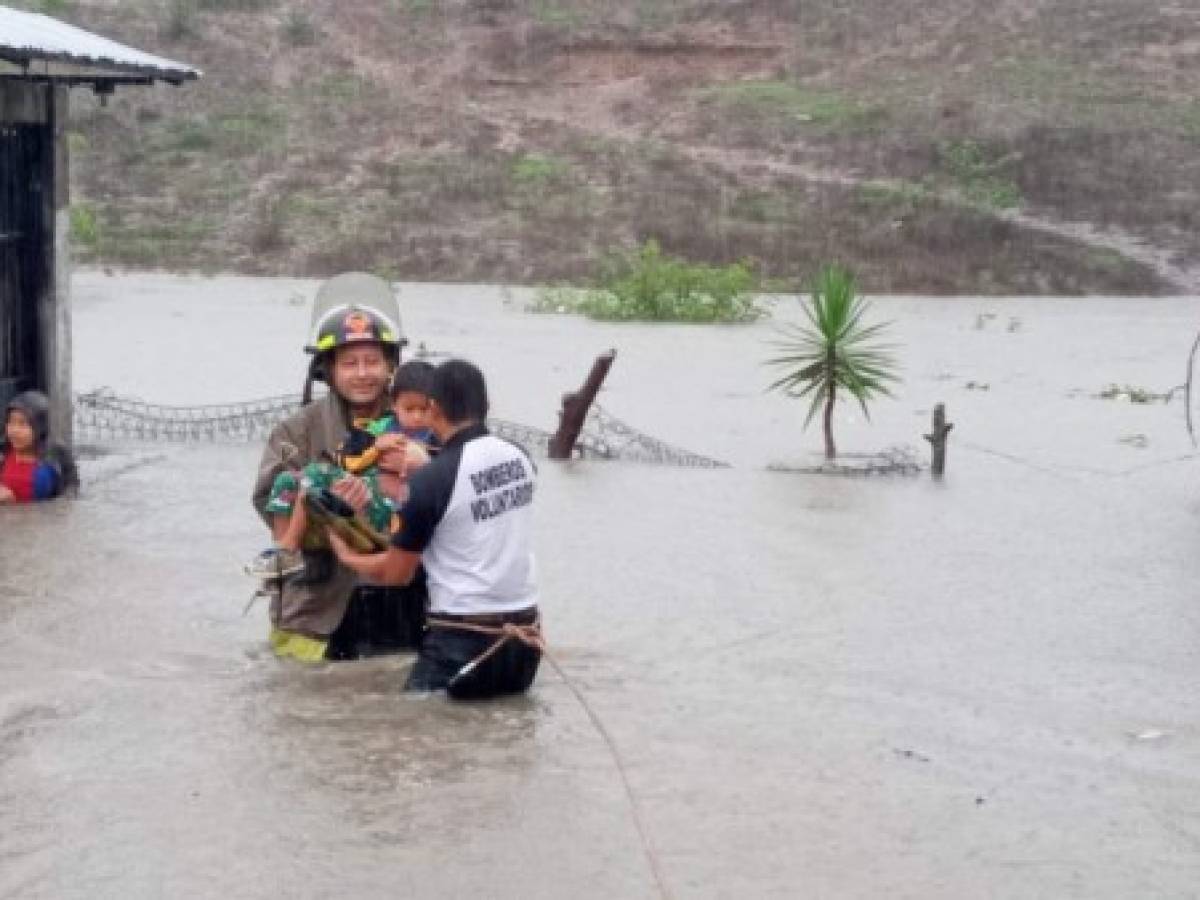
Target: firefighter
x=322, y=612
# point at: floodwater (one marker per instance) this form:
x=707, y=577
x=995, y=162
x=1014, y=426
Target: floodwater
x=819, y=686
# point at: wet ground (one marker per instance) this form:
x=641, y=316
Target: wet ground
x=820, y=686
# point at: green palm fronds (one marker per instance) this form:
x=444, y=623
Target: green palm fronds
x=834, y=351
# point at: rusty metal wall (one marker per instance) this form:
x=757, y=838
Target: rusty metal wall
x=23, y=169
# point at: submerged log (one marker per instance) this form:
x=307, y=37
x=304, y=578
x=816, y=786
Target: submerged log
x=575, y=406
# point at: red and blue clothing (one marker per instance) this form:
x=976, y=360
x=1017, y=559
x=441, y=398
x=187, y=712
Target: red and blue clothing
x=50, y=470
x=29, y=479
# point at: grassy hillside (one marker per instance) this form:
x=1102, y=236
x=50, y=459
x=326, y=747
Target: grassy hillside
x=916, y=140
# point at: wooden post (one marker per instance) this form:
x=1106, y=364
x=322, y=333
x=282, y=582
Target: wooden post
x=941, y=428
x=575, y=406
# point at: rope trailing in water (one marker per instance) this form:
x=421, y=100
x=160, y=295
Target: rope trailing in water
x=532, y=636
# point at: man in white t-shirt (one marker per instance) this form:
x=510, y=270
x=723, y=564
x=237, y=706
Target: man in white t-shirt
x=468, y=520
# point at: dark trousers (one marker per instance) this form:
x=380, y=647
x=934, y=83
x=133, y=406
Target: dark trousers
x=444, y=652
x=378, y=621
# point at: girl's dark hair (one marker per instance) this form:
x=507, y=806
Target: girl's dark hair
x=35, y=407
x=459, y=389
x=415, y=376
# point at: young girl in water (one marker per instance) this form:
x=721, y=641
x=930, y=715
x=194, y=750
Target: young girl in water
x=31, y=468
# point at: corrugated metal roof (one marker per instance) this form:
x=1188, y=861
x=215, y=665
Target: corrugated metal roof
x=32, y=37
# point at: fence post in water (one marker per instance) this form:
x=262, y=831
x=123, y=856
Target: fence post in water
x=941, y=428
x=575, y=406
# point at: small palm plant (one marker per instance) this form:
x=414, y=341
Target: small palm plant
x=834, y=352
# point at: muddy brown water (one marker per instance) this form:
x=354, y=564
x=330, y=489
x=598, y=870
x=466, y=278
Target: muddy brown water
x=835, y=687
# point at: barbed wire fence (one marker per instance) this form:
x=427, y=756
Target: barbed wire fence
x=103, y=416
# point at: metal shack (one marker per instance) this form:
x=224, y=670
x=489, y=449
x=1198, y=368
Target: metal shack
x=41, y=59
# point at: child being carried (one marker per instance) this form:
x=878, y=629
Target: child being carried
x=382, y=452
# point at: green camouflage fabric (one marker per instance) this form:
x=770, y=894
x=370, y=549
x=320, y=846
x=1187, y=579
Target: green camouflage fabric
x=317, y=476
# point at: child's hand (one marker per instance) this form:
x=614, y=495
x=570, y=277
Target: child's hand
x=354, y=491
x=6, y=496
x=389, y=441
x=415, y=456
x=393, y=456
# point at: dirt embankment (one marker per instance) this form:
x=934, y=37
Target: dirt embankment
x=937, y=146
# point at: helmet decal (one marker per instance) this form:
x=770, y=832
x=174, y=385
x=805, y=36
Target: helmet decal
x=357, y=327
x=346, y=325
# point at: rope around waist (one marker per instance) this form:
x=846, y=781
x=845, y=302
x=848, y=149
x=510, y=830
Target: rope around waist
x=525, y=616
x=529, y=634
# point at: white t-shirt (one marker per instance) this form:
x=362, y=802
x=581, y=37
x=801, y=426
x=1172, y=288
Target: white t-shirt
x=469, y=514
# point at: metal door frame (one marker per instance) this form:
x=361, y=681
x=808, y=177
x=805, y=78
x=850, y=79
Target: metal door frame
x=24, y=167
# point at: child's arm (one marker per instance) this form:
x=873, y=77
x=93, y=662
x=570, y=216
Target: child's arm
x=285, y=511
x=288, y=531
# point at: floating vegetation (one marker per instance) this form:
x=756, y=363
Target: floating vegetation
x=898, y=460
x=1136, y=394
